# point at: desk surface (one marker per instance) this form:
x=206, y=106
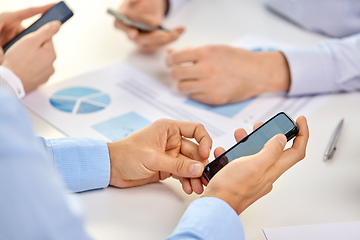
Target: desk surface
x=311, y=192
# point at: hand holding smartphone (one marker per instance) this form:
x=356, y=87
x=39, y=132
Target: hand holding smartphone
x=143, y=27
x=59, y=12
x=254, y=142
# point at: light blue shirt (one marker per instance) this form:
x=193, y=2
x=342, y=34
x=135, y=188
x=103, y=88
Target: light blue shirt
x=34, y=203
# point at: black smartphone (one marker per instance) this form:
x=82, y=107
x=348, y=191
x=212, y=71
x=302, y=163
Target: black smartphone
x=142, y=27
x=254, y=142
x=59, y=12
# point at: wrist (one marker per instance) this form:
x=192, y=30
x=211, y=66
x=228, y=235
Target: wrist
x=231, y=199
x=277, y=71
x=115, y=149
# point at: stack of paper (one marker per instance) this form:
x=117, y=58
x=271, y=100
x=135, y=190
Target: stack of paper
x=330, y=231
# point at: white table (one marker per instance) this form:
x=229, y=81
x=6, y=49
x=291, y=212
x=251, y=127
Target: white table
x=311, y=192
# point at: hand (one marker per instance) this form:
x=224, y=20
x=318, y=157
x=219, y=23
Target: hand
x=158, y=151
x=151, y=12
x=243, y=181
x=32, y=57
x=10, y=23
x=221, y=74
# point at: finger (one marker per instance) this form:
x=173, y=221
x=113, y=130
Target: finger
x=206, y=98
x=26, y=13
x=45, y=33
x=132, y=33
x=181, y=166
x=197, y=131
x=190, y=149
x=158, y=38
x=239, y=134
x=194, y=71
x=181, y=56
x=169, y=50
x=271, y=152
x=257, y=125
x=218, y=151
x=192, y=86
x=298, y=150
x=204, y=181
x=196, y=185
x=186, y=186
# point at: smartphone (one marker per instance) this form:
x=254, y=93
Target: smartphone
x=143, y=27
x=59, y=12
x=254, y=142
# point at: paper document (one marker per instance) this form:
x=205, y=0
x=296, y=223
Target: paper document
x=330, y=231
x=118, y=100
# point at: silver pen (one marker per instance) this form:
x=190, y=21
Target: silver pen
x=330, y=149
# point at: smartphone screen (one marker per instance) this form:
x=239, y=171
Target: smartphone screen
x=59, y=12
x=254, y=142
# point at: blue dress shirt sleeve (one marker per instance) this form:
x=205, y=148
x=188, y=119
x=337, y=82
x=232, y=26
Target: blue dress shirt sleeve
x=33, y=204
x=209, y=219
x=83, y=163
x=332, y=66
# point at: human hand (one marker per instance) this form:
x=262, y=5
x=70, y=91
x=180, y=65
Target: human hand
x=244, y=180
x=158, y=151
x=151, y=12
x=10, y=23
x=221, y=74
x=32, y=57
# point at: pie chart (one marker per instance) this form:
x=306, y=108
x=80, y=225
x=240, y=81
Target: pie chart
x=80, y=100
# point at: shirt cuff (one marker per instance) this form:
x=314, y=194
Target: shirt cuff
x=83, y=163
x=312, y=71
x=211, y=219
x=13, y=81
x=174, y=5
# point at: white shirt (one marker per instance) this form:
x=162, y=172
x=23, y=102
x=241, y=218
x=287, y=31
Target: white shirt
x=333, y=65
x=8, y=78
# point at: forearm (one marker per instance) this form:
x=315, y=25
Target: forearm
x=332, y=66
x=83, y=163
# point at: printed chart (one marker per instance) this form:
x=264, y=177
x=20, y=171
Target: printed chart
x=80, y=100
x=120, y=127
x=229, y=110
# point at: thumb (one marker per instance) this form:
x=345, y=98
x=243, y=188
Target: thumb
x=46, y=32
x=1, y=55
x=272, y=150
x=180, y=166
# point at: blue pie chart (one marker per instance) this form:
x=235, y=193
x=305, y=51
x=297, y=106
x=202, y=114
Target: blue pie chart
x=80, y=100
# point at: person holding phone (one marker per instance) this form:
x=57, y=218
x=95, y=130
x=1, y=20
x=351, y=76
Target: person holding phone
x=151, y=12
x=221, y=75
x=33, y=204
x=29, y=62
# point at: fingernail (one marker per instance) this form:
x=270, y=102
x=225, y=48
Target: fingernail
x=195, y=169
x=282, y=139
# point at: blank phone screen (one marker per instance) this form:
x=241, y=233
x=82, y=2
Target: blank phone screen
x=254, y=142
